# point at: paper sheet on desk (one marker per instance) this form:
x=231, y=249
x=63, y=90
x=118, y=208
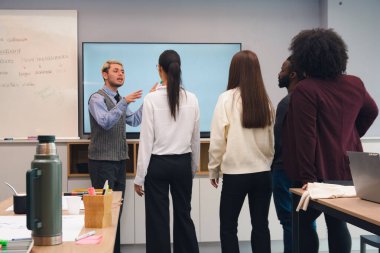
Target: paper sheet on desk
x=71, y=226
x=64, y=203
x=15, y=227
x=95, y=239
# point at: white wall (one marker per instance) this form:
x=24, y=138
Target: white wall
x=264, y=26
x=358, y=24
x=15, y=160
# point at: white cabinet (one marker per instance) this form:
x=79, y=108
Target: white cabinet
x=209, y=211
x=127, y=227
x=139, y=218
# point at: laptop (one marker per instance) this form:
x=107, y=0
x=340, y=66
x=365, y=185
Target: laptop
x=365, y=171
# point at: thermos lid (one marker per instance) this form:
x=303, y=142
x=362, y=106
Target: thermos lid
x=46, y=145
x=46, y=138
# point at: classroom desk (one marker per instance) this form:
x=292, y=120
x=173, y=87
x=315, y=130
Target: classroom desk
x=106, y=245
x=361, y=213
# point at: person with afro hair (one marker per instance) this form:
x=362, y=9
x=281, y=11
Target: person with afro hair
x=328, y=113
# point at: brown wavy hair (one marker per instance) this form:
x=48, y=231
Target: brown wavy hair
x=245, y=74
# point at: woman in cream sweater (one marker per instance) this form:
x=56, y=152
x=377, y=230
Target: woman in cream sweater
x=242, y=148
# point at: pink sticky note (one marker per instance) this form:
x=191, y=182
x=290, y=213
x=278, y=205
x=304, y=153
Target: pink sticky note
x=94, y=239
x=91, y=191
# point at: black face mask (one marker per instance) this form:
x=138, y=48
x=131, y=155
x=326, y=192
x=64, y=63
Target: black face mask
x=284, y=82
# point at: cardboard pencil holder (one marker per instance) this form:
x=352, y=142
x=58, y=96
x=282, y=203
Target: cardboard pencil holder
x=97, y=210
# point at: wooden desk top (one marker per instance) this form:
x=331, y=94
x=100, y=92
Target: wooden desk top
x=106, y=245
x=362, y=209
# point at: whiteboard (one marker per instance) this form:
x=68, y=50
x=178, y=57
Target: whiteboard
x=38, y=73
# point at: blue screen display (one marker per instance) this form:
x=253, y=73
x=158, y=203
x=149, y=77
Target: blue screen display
x=204, y=67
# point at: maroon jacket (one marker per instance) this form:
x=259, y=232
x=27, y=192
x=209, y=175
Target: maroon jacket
x=325, y=119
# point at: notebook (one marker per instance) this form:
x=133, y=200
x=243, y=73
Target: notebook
x=18, y=246
x=365, y=170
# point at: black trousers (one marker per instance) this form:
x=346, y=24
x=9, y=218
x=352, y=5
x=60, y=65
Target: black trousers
x=115, y=173
x=258, y=187
x=169, y=172
x=339, y=238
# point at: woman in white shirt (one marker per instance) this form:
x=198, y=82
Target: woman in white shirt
x=242, y=148
x=168, y=159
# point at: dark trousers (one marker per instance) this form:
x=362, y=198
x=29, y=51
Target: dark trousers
x=282, y=199
x=115, y=173
x=258, y=186
x=339, y=238
x=283, y=203
x=169, y=172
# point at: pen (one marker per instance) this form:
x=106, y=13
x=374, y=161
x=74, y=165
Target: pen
x=8, y=139
x=81, y=193
x=21, y=239
x=74, y=193
x=85, y=235
x=105, y=187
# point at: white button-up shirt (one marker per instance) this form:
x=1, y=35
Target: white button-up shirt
x=162, y=135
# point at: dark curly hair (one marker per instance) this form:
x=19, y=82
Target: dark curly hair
x=319, y=53
x=292, y=68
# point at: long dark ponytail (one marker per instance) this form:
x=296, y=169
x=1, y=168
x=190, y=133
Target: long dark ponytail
x=171, y=63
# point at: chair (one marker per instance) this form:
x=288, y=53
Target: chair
x=373, y=240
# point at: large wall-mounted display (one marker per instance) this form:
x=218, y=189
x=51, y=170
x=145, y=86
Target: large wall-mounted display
x=205, y=69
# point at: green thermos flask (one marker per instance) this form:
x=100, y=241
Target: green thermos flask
x=44, y=194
